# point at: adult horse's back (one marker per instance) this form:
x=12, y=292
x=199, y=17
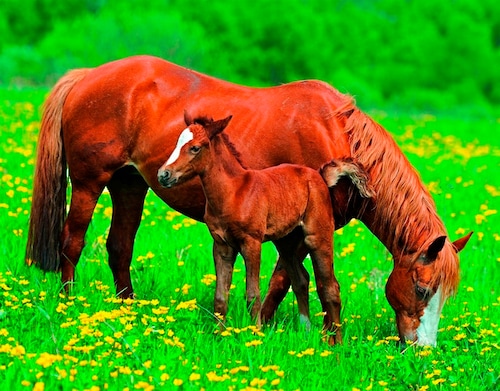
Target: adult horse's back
x=116, y=124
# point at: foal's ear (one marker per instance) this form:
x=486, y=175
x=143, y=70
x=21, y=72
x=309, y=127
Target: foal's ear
x=188, y=119
x=459, y=244
x=218, y=126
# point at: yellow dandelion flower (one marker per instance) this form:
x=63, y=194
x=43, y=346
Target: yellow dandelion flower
x=255, y=342
x=189, y=305
x=258, y=382
x=39, y=386
x=459, y=336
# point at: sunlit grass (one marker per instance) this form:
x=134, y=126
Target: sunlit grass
x=169, y=338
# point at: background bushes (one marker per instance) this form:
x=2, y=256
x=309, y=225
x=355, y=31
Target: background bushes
x=417, y=54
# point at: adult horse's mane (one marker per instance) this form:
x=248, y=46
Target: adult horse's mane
x=404, y=208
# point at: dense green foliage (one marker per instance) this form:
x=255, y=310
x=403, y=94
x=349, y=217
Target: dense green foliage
x=416, y=54
x=168, y=338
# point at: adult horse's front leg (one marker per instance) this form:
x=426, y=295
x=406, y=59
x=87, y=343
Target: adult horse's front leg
x=128, y=190
x=328, y=291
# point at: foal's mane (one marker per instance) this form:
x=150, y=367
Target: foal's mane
x=205, y=121
x=405, y=215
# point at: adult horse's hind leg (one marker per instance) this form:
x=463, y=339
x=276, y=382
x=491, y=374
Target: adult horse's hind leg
x=280, y=280
x=84, y=197
x=278, y=288
x=292, y=252
x=128, y=190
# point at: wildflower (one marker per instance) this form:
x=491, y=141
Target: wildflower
x=208, y=279
x=459, y=336
x=178, y=382
x=258, y=382
x=189, y=305
x=142, y=385
x=194, y=377
x=255, y=342
x=213, y=377
x=18, y=350
x=307, y=352
x=39, y=386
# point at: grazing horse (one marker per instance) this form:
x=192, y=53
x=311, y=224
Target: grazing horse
x=247, y=207
x=114, y=125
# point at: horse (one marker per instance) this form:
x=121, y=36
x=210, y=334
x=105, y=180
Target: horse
x=287, y=204
x=114, y=125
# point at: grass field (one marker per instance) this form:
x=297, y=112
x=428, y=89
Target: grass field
x=168, y=339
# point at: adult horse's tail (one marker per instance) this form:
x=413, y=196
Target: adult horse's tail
x=48, y=207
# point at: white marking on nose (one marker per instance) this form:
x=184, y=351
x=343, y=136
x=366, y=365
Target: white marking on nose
x=185, y=137
x=427, y=331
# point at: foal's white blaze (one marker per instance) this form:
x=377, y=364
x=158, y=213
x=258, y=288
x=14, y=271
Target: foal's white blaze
x=427, y=331
x=185, y=137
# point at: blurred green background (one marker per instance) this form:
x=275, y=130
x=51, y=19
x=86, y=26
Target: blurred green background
x=403, y=54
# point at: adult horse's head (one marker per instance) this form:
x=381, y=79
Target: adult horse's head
x=419, y=285
x=186, y=161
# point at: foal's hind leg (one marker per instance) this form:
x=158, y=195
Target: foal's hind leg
x=83, y=200
x=128, y=190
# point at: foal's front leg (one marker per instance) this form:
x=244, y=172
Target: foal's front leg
x=251, y=252
x=224, y=258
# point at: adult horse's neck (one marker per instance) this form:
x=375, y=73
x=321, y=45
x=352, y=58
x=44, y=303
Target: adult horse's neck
x=402, y=215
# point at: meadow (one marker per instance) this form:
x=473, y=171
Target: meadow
x=168, y=337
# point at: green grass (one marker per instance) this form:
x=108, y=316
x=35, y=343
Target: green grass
x=168, y=338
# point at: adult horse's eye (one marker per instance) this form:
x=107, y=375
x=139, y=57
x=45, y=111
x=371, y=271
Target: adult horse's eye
x=422, y=292
x=195, y=149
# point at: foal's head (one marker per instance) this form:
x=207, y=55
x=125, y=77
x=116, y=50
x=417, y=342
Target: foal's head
x=188, y=158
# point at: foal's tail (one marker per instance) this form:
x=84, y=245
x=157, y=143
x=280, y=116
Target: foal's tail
x=336, y=169
x=48, y=207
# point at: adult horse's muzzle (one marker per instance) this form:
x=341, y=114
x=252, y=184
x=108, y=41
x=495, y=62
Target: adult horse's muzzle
x=166, y=178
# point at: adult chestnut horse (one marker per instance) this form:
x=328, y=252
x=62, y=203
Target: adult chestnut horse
x=116, y=124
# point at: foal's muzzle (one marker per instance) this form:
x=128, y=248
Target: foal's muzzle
x=165, y=178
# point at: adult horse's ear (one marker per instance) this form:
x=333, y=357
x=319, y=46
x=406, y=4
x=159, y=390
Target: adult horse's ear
x=218, y=126
x=188, y=119
x=459, y=244
x=434, y=248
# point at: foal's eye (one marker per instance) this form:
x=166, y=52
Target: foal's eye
x=195, y=149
